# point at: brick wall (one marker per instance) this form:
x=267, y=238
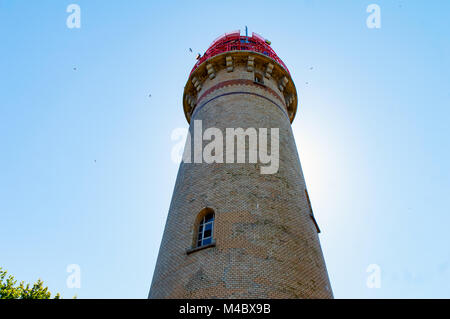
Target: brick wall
x=266, y=243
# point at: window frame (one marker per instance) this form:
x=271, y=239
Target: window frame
x=258, y=78
x=203, y=227
x=200, y=221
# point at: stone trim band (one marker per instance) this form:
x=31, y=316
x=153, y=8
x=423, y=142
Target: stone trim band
x=238, y=92
x=239, y=82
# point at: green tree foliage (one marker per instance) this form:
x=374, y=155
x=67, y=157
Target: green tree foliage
x=9, y=289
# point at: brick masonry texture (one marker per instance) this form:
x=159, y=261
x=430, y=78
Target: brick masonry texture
x=267, y=244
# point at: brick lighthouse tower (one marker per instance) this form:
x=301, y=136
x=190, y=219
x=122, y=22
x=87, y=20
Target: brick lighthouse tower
x=233, y=231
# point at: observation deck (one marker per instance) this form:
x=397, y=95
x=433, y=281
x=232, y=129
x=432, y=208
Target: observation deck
x=234, y=41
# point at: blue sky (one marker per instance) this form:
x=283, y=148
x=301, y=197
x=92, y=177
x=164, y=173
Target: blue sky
x=86, y=175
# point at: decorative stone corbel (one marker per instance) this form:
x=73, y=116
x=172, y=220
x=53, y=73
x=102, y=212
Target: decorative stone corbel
x=197, y=84
x=283, y=83
x=269, y=70
x=211, y=72
x=289, y=99
x=229, y=61
x=251, y=63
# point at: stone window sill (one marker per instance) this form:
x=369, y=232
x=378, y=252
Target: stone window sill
x=259, y=83
x=315, y=223
x=193, y=250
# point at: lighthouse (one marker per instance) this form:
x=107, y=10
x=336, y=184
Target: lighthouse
x=240, y=223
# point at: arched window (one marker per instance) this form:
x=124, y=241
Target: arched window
x=259, y=78
x=205, y=230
